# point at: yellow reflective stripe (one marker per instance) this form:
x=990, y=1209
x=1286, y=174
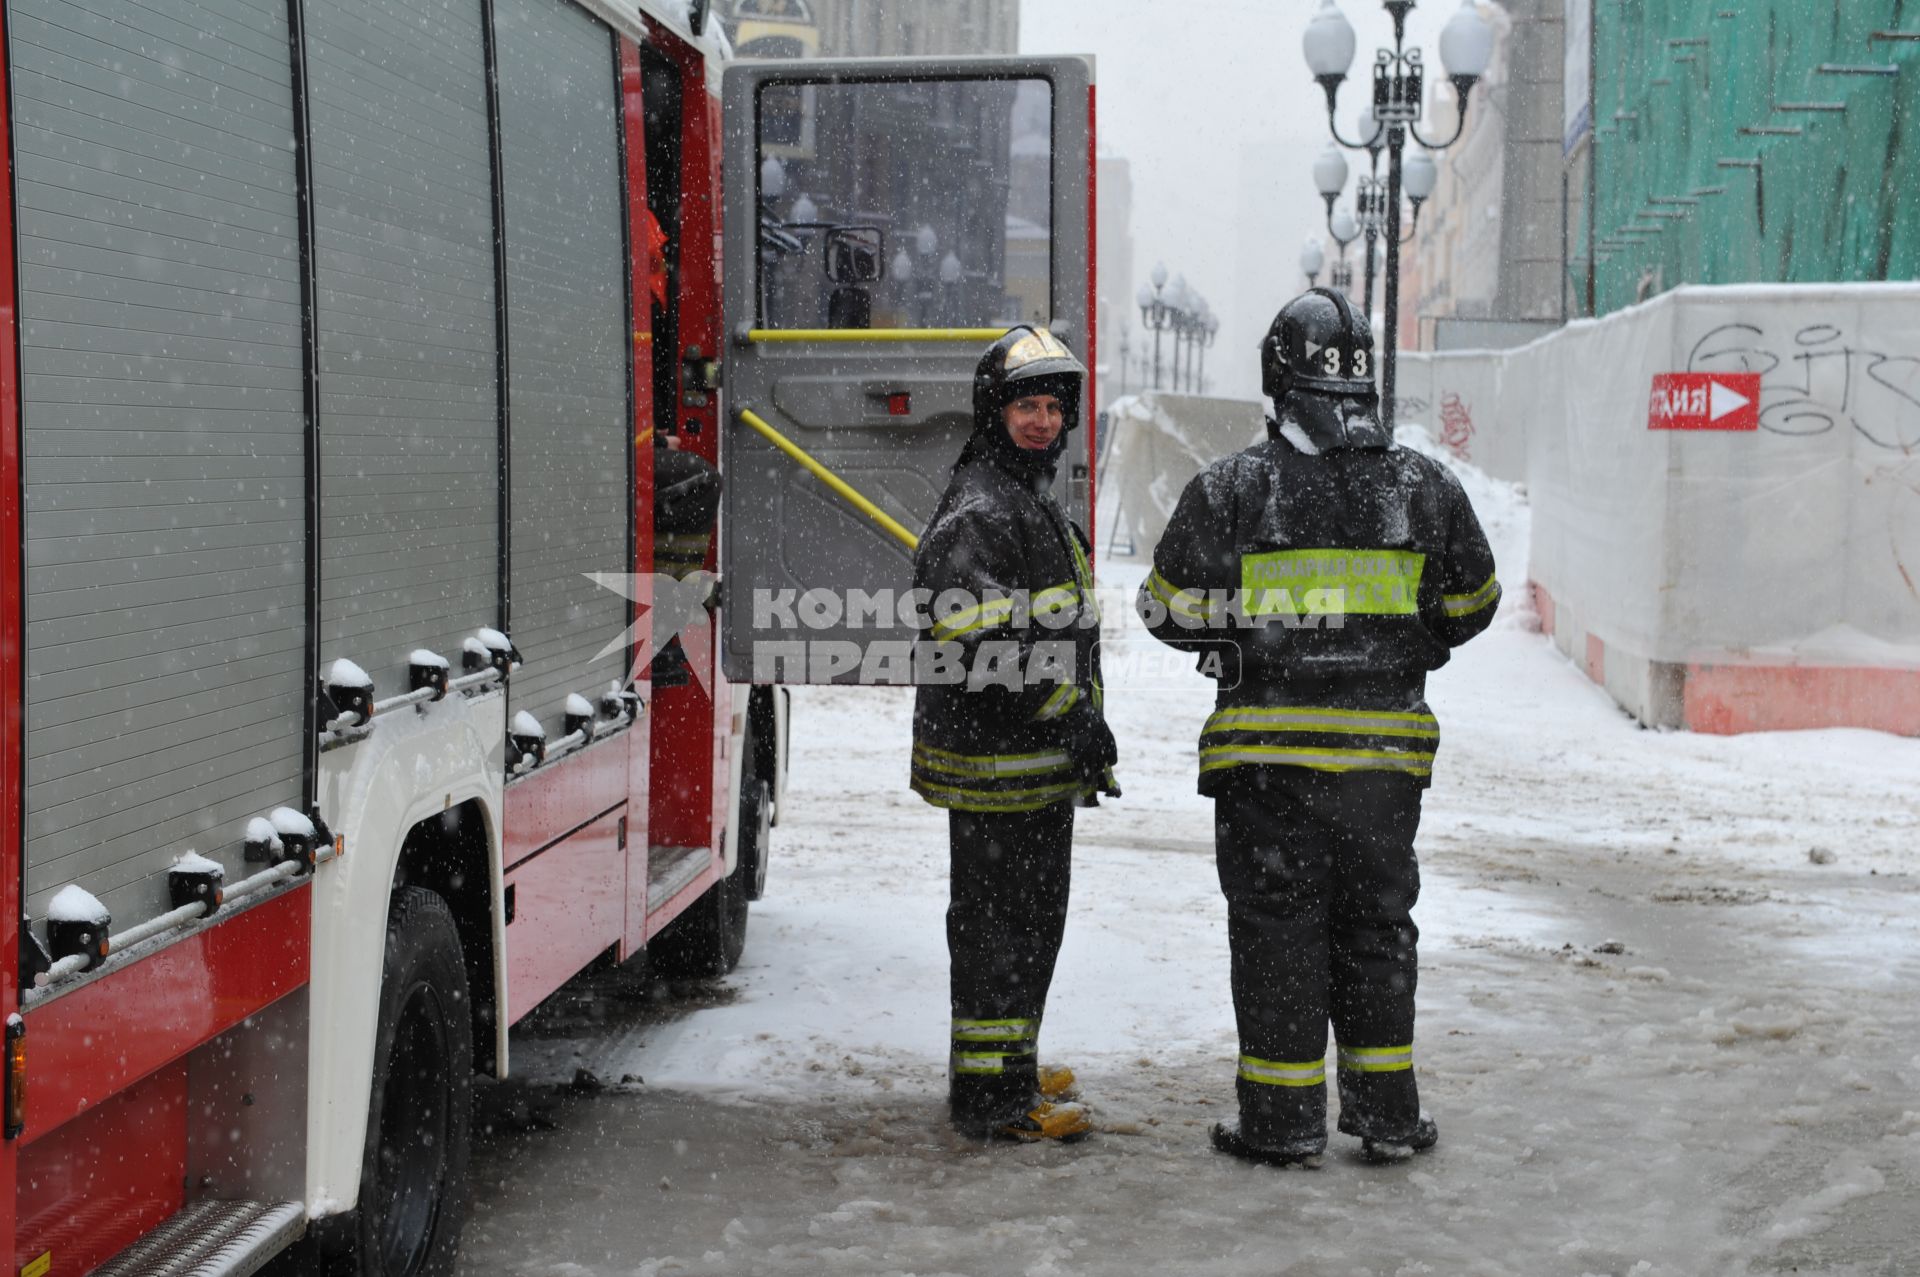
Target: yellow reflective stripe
x=1376, y=1059
x=995, y=1030
x=1464, y=604
x=1064, y=698
x=1215, y=757
x=1308, y=720
x=1281, y=711
x=1083, y=575
x=1176, y=599
x=1360, y=582
x=979, y=1062
x=989, y=765
x=991, y=800
x=935, y=752
x=1055, y=598
x=1283, y=1073
x=977, y=617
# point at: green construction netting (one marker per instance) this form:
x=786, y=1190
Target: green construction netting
x=1689, y=94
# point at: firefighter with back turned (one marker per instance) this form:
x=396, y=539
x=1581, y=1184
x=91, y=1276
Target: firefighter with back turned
x=1319, y=576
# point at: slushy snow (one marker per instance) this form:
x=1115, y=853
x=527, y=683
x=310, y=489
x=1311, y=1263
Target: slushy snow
x=1658, y=1038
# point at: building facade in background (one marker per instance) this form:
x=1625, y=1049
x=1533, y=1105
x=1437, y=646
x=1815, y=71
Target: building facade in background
x=870, y=28
x=1768, y=142
x=1489, y=256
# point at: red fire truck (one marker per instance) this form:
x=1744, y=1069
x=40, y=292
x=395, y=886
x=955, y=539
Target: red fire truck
x=342, y=343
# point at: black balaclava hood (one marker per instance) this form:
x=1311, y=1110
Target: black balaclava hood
x=1026, y=361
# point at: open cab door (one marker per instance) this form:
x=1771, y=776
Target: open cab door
x=885, y=221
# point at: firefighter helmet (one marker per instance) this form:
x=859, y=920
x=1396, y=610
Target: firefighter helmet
x=1027, y=361
x=1317, y=345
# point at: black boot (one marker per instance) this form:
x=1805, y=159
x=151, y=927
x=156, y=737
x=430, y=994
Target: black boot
x=1305, y=1151
x=1425, y=1135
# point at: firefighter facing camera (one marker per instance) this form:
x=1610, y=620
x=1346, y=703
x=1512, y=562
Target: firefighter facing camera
x=1017, y=737
x=1336, y=569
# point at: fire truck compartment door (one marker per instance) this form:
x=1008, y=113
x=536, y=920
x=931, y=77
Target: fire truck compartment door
x=974, y=173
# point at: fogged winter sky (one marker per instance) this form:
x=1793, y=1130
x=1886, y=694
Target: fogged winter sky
x=1212, y=103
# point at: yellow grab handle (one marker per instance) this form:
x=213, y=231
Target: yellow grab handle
x=831, y=479
x=763, y=335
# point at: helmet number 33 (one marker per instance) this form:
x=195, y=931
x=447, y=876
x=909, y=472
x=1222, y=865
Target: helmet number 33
x=1330, y=359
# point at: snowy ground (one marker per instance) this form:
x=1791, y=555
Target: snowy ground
x=1669, y=1023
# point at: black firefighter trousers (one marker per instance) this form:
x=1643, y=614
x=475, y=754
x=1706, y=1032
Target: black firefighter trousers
x=1005, y=918
x=1320, y=877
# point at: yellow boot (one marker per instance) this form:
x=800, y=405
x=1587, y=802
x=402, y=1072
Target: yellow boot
x=1047, y=1121
x=1057, y=1082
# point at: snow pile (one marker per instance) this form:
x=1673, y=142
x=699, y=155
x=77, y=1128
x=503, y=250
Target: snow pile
x=525, y=724
x=578, y=706
x=430, y=659
x=1501, y=507
x=194, y=863
x=74, y=903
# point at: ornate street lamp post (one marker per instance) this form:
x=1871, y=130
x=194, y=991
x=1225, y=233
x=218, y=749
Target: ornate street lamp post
x=1312, y=258
x=1155, y=315
x=1209, y=330
x=1399, y=80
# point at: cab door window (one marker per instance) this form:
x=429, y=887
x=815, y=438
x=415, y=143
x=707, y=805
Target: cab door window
x=949, y=181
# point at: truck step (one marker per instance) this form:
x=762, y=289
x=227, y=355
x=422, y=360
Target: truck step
x=212, y=1239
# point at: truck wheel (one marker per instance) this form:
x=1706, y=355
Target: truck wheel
x=413, y=1178
x=707, y=939
x=756, y=835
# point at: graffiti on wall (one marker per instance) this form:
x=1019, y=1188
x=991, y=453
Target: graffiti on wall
x=1456, y=425
x=1815, y=378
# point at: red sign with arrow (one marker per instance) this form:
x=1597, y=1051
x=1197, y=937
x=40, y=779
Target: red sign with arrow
x=1704, y=401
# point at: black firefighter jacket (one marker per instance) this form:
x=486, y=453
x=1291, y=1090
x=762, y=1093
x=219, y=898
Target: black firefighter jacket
x=1013, y=644
x=1319, y=588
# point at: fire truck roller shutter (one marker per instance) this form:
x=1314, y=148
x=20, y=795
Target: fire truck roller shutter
x=567, y=341
x=164, y=427
x=408, y=343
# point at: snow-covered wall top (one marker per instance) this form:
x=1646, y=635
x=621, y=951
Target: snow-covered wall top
x=1157, y=443
x=1793, y=539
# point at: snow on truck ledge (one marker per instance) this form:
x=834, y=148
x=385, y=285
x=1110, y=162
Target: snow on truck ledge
x=432, y=660
x=74, y=903
x=344, y=673
x=578, y=706
x=525, y=724
x=288, y=821
x=194, y=863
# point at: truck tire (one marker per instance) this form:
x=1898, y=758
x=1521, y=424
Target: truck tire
x=756, y=835
x=413, y=1177
x=707, y=940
